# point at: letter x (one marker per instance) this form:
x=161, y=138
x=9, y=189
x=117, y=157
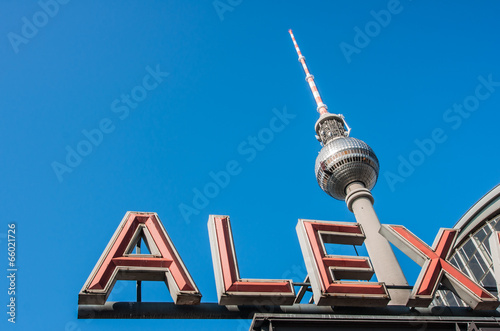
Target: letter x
x=437, y=269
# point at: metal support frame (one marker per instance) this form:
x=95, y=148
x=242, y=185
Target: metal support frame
x=139, y=283
x=304, y=287
x=271, y=322
x=168, y=310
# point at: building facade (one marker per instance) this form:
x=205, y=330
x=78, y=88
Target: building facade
x=472, y=251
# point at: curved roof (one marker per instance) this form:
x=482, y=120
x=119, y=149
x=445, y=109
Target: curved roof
x=484, y=209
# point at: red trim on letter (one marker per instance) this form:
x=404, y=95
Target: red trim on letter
x=324, y=262
x=436, y=269
x=115, y=256
x=438, y=262
x=164, y=265
x=335, y=279
x=230, y=271
x=232, y=290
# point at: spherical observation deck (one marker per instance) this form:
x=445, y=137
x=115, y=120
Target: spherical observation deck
x=345, y=160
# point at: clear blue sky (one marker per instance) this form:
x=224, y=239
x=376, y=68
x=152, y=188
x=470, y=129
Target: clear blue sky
x=227, y=71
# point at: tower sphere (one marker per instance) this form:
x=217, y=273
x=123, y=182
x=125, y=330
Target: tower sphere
x=345, y=160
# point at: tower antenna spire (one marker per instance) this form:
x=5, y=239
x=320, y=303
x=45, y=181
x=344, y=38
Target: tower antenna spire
x=322, y=108
x=329, y=126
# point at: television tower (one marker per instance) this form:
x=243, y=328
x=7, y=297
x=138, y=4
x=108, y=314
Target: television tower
x=347, y=169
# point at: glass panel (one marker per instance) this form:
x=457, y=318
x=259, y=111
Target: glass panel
x=469, y=249
x=438, y=299
x=459, y=257
x=480, y=235
x=482, y=263
x=450, y=297
x=475, y=268
x=491, y=224
x=453, y=261
x=487, y=229
x=456, y=261
x=486, y=245
x=488, y=280
x=485, y=254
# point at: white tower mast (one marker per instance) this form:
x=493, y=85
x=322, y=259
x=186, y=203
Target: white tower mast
x=347, y=169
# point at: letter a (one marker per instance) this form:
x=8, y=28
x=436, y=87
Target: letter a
x=118, y=263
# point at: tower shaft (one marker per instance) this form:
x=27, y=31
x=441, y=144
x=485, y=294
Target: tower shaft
x=360, y=201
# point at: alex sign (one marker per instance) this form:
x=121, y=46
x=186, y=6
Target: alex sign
x=335, y=280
